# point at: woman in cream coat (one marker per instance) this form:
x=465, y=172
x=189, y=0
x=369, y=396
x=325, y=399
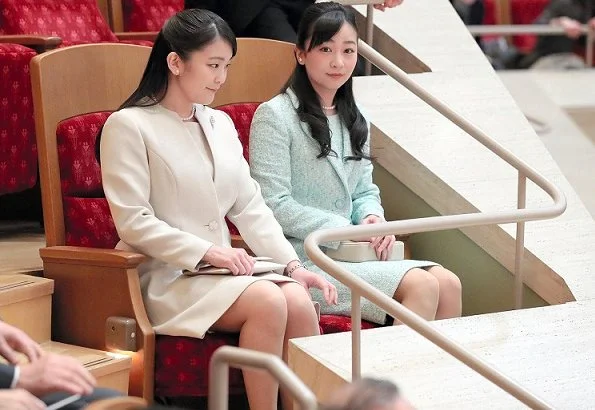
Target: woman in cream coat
x=172, y=171
x=309, y=150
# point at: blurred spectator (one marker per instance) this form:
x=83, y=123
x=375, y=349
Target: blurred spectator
x=275, y=19
x=470, y=11
x=368, y=394
x=557, y=51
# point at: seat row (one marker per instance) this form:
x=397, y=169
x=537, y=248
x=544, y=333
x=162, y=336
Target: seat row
x=28, y=27
x=92, y=280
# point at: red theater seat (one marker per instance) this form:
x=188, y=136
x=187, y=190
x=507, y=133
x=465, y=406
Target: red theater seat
x=144, y=15
x=27, y=26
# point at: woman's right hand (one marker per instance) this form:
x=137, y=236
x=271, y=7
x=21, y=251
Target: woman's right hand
x=572, y=28
x=236, y=260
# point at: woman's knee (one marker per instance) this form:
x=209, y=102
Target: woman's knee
x=299, y=303
x=266, y=300
x=448, y=282
x=419, y=283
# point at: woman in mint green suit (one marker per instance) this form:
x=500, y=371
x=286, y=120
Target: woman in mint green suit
x=309, y=150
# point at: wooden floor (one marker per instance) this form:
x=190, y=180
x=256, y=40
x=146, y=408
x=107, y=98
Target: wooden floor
x=19, y=253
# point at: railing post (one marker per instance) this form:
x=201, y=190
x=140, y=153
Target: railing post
x=590, y=44
x=369, y=34
x=218, y=384
x=520, y=244
x=356, y=336
x=246, y=358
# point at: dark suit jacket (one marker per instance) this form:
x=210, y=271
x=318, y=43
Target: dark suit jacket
x=6, y=375
x=580, y=10
x=237, y=13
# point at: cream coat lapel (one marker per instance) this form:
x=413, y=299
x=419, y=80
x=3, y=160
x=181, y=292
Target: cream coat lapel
x=207, y=123
x=335, y=160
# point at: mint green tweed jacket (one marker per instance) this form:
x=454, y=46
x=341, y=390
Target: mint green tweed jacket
x=307, y=193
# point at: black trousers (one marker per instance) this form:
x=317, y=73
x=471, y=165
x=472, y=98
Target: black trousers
x=98, y=394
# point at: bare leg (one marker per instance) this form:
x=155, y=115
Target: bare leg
x=418, y=291
x=262, y=299
x=450, y=302
x=301, y=322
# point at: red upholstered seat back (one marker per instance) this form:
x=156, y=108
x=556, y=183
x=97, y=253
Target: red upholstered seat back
x=522, y=12
x=75, y=21
x=526, y=12
x=87, y=219
x=18, y=148
x=148, y=15
x=241, y=114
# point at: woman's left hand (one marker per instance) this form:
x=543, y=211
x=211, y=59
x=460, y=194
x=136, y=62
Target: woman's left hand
x=387, y=4
x=383, y=245
x=309, y=279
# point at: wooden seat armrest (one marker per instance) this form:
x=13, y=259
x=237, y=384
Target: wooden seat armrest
x=38, y=43
x=75, y=255
x=91, y=285
x=140, y=35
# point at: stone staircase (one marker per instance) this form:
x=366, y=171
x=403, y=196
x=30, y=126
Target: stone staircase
x=26, y=302
x=548, y=350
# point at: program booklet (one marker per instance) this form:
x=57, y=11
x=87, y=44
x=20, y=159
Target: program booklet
x=263, y=264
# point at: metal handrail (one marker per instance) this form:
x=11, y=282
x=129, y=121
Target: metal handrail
x=360, y=288
x=227, y=356
x=541, y=29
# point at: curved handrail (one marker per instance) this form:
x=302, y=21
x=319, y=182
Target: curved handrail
x=230, y=355
x=540, y=29
x=361, y=288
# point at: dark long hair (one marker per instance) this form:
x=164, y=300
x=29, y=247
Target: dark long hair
x=320, y=22
x=185, y=32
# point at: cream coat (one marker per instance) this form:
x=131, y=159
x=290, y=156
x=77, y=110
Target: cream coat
x=166, y=205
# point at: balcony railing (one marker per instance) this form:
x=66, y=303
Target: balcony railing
x=540, y=29
x=360, y=288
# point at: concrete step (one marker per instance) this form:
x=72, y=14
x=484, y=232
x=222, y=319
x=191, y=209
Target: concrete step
x=549, y=351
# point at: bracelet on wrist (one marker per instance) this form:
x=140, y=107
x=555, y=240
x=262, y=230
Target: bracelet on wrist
x=289, y=272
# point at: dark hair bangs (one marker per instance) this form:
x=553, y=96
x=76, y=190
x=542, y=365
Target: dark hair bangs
x=325, y=27
x=191, y=32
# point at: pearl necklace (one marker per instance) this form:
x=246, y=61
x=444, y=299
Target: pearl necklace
x=188, y=118
x=332, y=107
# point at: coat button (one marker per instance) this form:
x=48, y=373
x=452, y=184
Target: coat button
x=213, y=225
x=339, y=204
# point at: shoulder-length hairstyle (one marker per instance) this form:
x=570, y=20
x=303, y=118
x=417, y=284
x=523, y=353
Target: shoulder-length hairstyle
x=185, y=32
x=320, y=22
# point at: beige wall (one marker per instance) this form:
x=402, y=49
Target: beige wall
x=487, y=285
